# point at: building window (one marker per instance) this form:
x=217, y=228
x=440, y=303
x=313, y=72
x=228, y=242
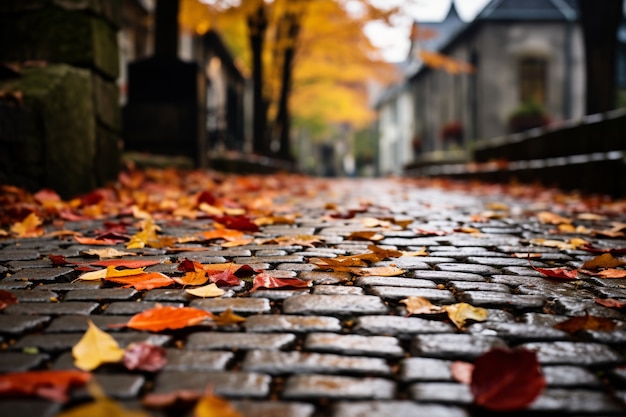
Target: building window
x=532, y=80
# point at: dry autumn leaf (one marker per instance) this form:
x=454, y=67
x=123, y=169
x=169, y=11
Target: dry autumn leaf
x=6, y=299
x=547, y=217
x=52, y=385
x=381, y=271
x=172, y=318
x=107, y=253
x=612, y=273
x=210, y=290
x=461, y=312
x=365, y=235
x=95, y=348
x=144, y=357
x=227, y=317
x=143, y=281
x=265, y=280
x=507, y=380
x=93, y=275
x=420, y=305
x=610, y=302
x=586, y=322
x=575, y=243
x=29, y=227
x=212, y=406
x=606, y=260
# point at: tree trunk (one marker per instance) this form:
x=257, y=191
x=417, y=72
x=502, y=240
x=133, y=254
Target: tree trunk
x=600, y=20
x=282, y=124
x=257, y=26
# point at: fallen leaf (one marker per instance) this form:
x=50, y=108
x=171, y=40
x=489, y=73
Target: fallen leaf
x=6, y=299
x=242, y=223
x=144, y=357
x=193, y=278
x=168, y=317
x=147, y=234
x=210, y=290
x=462, y=371
x=227, y=317
x=586, y=322
x=212, y=406
x=419, y=305
x=365, y=235
x=606, y=260
x=591, y=217
x=264, y=280
x=222, y=233
x=299, y=240
x=575, y=243
x=125, y=263
x=382, y=271
x=170, y=399
x=113, y=272
x=94, y=241
x=264, y=221
x=143, y=281
x=95, y=348
x=226, y=277
x=461, y=312
x=29, y=227
x=107, y=253
x=507, y=380
x=610, y=302
x=52, y=385
x=421, y=252
x=547, y=217
x=340, y=263
x=612, y=273
x=558, y=273
x=614, y=251
x=93, y=275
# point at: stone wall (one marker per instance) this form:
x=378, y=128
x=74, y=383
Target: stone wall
x=72, y=140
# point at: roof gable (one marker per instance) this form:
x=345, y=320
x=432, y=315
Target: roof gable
x=529, y=10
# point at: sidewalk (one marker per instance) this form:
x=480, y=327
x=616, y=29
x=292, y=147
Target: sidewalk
x=346, y=346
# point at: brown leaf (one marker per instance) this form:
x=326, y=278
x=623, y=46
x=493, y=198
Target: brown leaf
x=610, y=302
x=162, y=318
x=170, y=399
x=586, y=322
x=227, y=318
x=52, y=385
x=507, y=380
x=606, y=260
x=547, y=217
x=419, y=305
x=382, y=271
x=144, y=357
x=365, y=235
x=6, y=299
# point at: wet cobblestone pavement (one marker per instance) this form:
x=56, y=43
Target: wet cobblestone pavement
x=345, y=346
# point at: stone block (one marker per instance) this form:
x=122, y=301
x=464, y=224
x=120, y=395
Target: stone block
x=55, y=35
x=106, y=99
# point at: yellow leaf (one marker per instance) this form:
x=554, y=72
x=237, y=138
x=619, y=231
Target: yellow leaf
x=112, y=272
x=101, y=407
x=382, y=271
x=459, y=313
x=95, y=348
x=29, y=227
x=210, y=290
x=228, y=317
x=421, y=252
x=212, y=406
x=419, y=305
x=107, y=253
x=93, y=275
x=547, y=217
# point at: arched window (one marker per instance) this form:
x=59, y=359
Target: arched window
x=533, y=73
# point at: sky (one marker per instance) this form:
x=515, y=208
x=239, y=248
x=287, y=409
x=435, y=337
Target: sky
x=394, y=41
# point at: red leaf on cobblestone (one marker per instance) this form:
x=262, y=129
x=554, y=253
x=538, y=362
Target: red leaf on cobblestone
x=143, y=281
x=507, y=380
x=144, y=357
x=558, y=273
x=168, y=317
x=58, y=260
x=242, y=223
x=226, y=277
x=264, y=280
x=586, y=322
x=610, y=302
x=126, y=263
x=6, y=299
x=52, y=385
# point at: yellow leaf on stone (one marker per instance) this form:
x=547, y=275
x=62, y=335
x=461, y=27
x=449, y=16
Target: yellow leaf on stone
x=29, y=227
x=419, y=305
x=547, y=217
x=112, y=272
x=93, y=275
x=212, y=406
x=95, y=348
x=107, y=253
x=421, y=252
x=227, y=317
x=381, y=271
x=459, y=313
x=210, y=290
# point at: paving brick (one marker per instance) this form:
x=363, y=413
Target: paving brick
x=613, y=337
x=71, y=307
x=340, y=387
x=334, y=304
x=394, y=282
x=295, y=259
x=383, y=346
x=21, y=362
x=47, y=342
x=471, y=268
x=478, y=286
x=194, y=360
x=278, y=294
x=401, y=327
x=227, y=384
x=445, y=276
x=398, y=293
x=492, y=298
x=244, y=341
x=118, y=308
x=277, y=362
x=336, y=290
x=166, y=294
x=395, y=409
x=118, y=386
x=500, y=262
x=518, y=332
x=29, y=407
x=237, y=305
x=34, y=263
x=32, y=296
x=296, y=267
x=18, y=325
x=273, y=409
x=14, y=285
x=571, y=306
x=101, y=294
x=42, y=274
x=411, y=263
x=69, y=286
x=573, y=353
x=570, y=376
x=324, y=278
x=453, y=346
x=425, y=369
x=76, y=324
x=576, y=401
x=443, y=392
x=297, y=324
x=18, y=255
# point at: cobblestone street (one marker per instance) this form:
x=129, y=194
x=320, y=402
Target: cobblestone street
x=345, y=346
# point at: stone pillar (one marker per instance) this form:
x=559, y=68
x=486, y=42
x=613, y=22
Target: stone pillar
x=70, y=94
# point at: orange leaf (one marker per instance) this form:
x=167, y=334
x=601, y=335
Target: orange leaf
x=112, y=272
x=612, y=273
x=610, y=302
x=29, y=227
x=6, y=299
x=366, y=235
x=383, y=271
x=226, y=234
x=143, y=281
x=126, y=263
x=267, y=281
x=586, y=322
x=606, y=260
x=93, y=241
x=547, y=217
x=162, y=318
x=507, y=380
x=193, y=278
x=212, y=406
x=53, y=385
